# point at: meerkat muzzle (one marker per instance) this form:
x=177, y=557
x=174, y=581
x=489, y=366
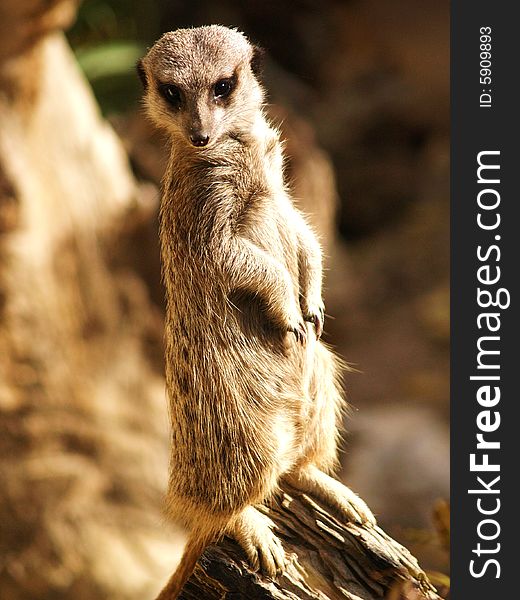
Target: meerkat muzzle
x=199, y=139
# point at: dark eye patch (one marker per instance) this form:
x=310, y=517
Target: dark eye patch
x=171, y=93
x=223, y=88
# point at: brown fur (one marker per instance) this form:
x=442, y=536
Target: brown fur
x=254, y=395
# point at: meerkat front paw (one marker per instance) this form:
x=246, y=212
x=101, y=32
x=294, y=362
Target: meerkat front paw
x=254, y=532
x=300, y=332
x=313, y=311
x=316, y=315
x=293, y=321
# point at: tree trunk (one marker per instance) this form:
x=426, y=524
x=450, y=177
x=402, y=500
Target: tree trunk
x=83, y=434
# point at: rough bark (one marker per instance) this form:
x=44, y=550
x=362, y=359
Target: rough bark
x=83, y=436
x=329, y=560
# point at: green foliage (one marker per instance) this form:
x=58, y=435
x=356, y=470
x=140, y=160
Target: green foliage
x=110, y=69
x=109, y=36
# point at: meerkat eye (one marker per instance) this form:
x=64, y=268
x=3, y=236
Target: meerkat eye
x=171, y=94
x=223, y=88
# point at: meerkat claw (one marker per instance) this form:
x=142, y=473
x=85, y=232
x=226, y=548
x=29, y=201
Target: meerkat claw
x=300, y=332
x=355, y=509
x=317, y=318
x=317, y=321
x=263, y=549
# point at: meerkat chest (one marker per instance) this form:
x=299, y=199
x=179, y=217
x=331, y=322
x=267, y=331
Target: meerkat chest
x=238, y=191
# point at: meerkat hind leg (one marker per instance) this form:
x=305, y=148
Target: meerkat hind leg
x=349, y=505
x=254, y=532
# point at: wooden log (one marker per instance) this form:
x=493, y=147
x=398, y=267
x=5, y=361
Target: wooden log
x=328, y=560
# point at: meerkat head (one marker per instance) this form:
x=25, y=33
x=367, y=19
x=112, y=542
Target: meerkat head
x=201, y=84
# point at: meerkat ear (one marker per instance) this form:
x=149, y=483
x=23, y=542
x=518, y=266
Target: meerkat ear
x=257, y=60
x=142, y=73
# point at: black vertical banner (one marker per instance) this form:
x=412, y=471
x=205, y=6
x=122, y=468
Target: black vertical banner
x=485, y=237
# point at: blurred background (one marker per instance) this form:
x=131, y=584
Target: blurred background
x=360, y=89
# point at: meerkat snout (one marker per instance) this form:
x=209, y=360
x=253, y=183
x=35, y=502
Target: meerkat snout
x=201, y=84
x=198, y=139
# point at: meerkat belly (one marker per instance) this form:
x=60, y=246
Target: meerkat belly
x=235, y=418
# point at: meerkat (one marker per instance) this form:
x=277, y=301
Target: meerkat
x=254, y=394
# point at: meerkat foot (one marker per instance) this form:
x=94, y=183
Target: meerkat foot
x=254, y=532
x=338, y=496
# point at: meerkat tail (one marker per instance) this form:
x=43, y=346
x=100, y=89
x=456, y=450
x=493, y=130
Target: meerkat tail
x=192, y=552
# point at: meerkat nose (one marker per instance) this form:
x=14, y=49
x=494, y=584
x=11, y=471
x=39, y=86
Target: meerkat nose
x=197, y=139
